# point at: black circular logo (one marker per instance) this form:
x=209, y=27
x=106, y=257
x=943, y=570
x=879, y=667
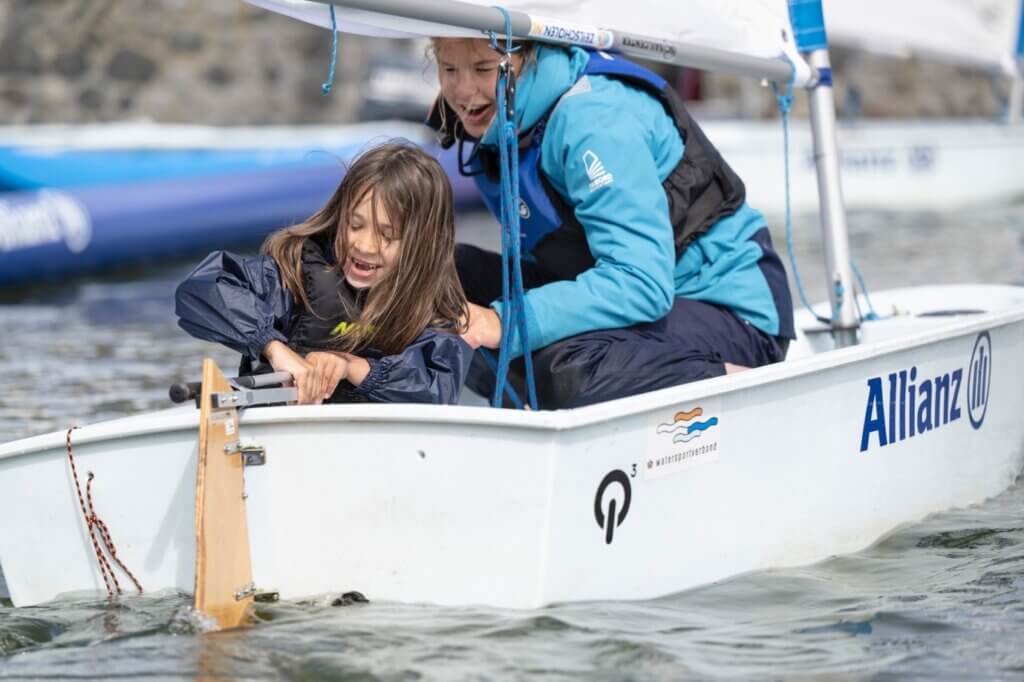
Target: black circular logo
x=609, y=520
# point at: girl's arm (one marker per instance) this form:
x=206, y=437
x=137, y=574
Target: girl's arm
x=431, y=370
x=237, y=301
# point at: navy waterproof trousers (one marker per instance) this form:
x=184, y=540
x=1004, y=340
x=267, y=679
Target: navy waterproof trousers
x=691, y=343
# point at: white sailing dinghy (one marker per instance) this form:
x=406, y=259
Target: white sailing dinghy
x=916, y=164
x=864, y=427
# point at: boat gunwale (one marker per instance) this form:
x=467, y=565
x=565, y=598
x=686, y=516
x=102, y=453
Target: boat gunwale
x=177, y=419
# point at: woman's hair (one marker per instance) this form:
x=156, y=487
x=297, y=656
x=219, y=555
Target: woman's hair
x=527, y=48
x=422, y=289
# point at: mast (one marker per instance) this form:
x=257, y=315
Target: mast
x=809, y=28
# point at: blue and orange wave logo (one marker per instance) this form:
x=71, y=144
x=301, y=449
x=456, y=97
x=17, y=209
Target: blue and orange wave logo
x=684, y=426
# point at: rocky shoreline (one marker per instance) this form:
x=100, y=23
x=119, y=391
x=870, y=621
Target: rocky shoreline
x=229, y=63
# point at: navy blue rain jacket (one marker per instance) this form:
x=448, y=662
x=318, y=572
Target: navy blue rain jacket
x=241, y=302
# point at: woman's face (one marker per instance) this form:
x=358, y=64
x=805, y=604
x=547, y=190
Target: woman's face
x=372, y=248
x=467, y=69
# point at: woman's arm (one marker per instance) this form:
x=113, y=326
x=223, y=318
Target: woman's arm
x=599, y=157
x=431, y=370
x=237, y=301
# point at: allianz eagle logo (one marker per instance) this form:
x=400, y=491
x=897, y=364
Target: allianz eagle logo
x=905, y=404
x=599, y=177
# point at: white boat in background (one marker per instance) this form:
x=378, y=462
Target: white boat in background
x=863, y=428
x=887, y=164
x=901, y=164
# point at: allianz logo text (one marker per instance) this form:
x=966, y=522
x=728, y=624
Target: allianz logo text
x=903, y=404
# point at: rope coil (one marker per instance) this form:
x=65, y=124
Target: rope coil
x=94, y=524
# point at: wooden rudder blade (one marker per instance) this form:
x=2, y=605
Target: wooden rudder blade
x=223, y=566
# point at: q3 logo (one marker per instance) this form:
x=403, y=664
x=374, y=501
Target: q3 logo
x=605, y=510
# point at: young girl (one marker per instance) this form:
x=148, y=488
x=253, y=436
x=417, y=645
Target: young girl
x=361, y=302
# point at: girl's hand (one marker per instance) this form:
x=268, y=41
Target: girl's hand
x=331, y=368
x=484, y=327
x=306, y=378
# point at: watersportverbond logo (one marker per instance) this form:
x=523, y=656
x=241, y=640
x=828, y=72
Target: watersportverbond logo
x=903, y=404
x=49, y=218
x=687, y=437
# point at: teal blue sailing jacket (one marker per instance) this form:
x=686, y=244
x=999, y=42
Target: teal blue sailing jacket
x=607, y=148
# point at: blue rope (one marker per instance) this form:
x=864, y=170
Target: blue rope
x=493, y=364
x=872, y=315
x=785, y=101
x=513, y=302
x=326, y=86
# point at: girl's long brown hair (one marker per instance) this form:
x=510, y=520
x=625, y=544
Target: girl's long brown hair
x=422, y=289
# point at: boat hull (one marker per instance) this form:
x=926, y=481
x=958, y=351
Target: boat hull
x=631, y=499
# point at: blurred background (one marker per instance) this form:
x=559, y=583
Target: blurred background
x=142, y=132
x=229, y=63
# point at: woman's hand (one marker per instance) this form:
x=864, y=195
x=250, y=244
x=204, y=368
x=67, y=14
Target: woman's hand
x=484, y=327
x=331, y=368
x=308, y=380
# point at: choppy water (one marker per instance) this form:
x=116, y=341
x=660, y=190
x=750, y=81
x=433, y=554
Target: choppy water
x=942, y=599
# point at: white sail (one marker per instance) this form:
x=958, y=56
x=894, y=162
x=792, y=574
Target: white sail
x=748, y=28
x=981, y=33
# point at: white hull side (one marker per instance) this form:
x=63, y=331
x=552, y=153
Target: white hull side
x=919, y=165
x=471, y=505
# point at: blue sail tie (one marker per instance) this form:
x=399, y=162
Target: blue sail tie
x=325, y=88
x=513, y=302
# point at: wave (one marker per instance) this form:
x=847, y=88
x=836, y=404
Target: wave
x=685, y=437
x=704, y=426
x=687, y=416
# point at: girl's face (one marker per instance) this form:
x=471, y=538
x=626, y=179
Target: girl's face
x=372, y=248
x=467, y=69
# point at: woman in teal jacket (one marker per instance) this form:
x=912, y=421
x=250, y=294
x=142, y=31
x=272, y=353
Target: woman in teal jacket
x=645, y=267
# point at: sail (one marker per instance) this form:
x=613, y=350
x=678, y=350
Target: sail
x=978, y=33
x=747, y=28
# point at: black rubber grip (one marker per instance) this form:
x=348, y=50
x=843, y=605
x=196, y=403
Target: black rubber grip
x=188, y=391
